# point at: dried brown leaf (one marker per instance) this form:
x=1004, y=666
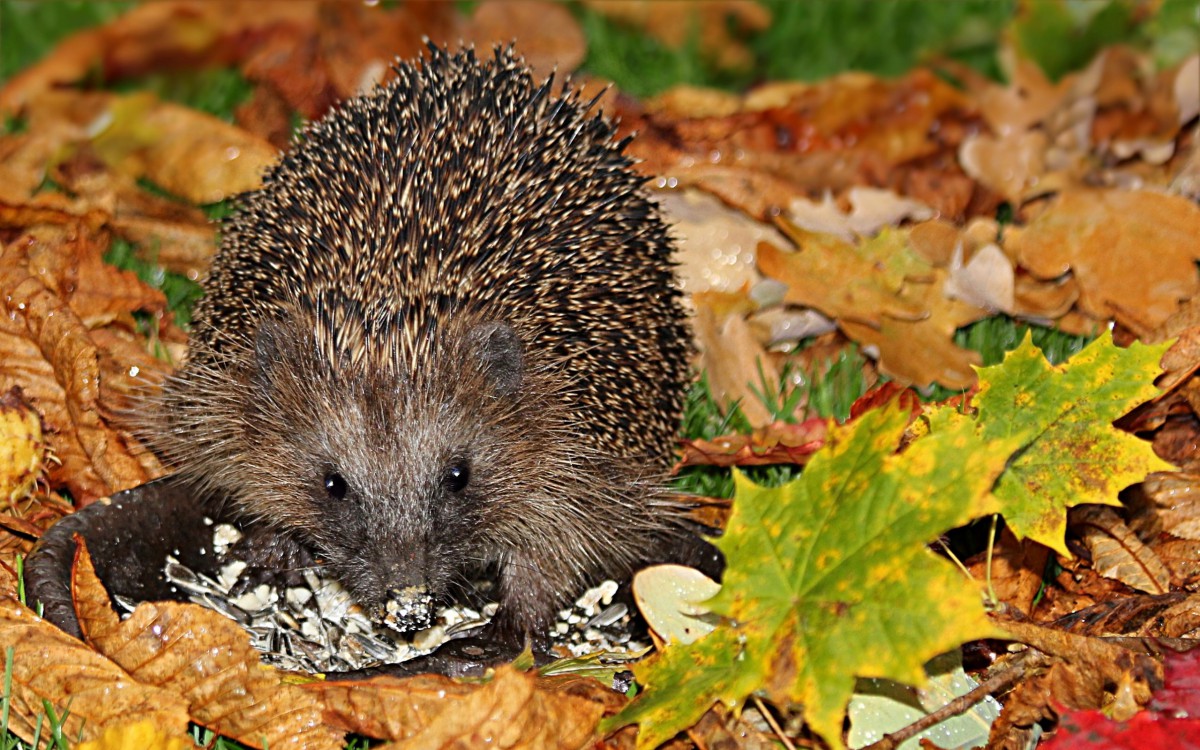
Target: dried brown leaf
x=777, y=443
x=1175, y=498
x=1009, y=164
x=550, y=37
x=921, y=352
x=832, y=276
x=513, y=710
x=180, y=236
x=871, y=209
x=732, y=353
x=722, y=728
x=191, y=154
x=153, y=37
x=786, y=143
x=50, y=353
x=1133, y=253
x=50, y=665
x=1085, y=666
x=1182, y=557
x=207, y=659
x=983, y=279
x=1117, y=552
x=357, y=42
x=1017, y=572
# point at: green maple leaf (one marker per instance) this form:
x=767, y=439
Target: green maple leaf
x=829, y=578
x=1073, y=454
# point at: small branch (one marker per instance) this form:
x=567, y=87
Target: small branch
x=773, y=724
x=997, y=683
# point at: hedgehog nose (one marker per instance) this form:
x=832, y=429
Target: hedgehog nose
x=408, y=608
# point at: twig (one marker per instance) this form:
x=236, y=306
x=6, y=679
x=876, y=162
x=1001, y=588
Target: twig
x=997, y=683
x=774, y=724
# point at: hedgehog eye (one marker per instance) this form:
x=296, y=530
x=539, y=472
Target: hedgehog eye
x=335, y=485
x=457, y=476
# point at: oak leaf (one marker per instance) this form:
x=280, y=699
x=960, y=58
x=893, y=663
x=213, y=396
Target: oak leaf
x=1133, y=253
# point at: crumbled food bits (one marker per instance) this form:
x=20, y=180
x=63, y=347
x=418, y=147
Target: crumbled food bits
x=608, y=590
x=429, y=639
x=225, y=536
x=317, y=627
x=298, y=597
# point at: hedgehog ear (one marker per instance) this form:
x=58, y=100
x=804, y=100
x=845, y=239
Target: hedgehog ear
x=500, y=351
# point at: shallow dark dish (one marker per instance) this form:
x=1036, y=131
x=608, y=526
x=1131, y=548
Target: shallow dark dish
x=129, y=537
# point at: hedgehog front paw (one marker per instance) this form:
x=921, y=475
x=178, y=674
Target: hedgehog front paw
x=271, y=558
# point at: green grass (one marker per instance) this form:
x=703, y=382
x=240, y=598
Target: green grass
x=809, y=40
x=217, y=91
x=180, y=291
x=50, y=719
x=30, y=28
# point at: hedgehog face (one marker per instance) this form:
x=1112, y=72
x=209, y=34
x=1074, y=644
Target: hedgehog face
x=400, y=487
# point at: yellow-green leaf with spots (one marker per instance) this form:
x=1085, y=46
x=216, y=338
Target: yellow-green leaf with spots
x=1073, y=455
x=829, y=578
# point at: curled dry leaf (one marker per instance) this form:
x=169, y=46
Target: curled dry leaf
x=186, y=152
x=1017, y=571
x=1082, y=669
x=1117, y=552
x=777, y=443
x=204, y=658
x=1175, y=498
x=1139, y=615
x=871, y=209
x=49, y=351
x=1009, y=164
x=49, y=665
x=513, y=710
x=1182, y=360
x=732, y=353
x=153, y=37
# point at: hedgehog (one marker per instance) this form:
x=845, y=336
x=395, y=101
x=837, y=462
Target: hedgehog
x=444, y=336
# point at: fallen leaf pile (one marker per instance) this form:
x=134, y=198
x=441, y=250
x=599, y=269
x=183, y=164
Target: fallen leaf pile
x=851, y=224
